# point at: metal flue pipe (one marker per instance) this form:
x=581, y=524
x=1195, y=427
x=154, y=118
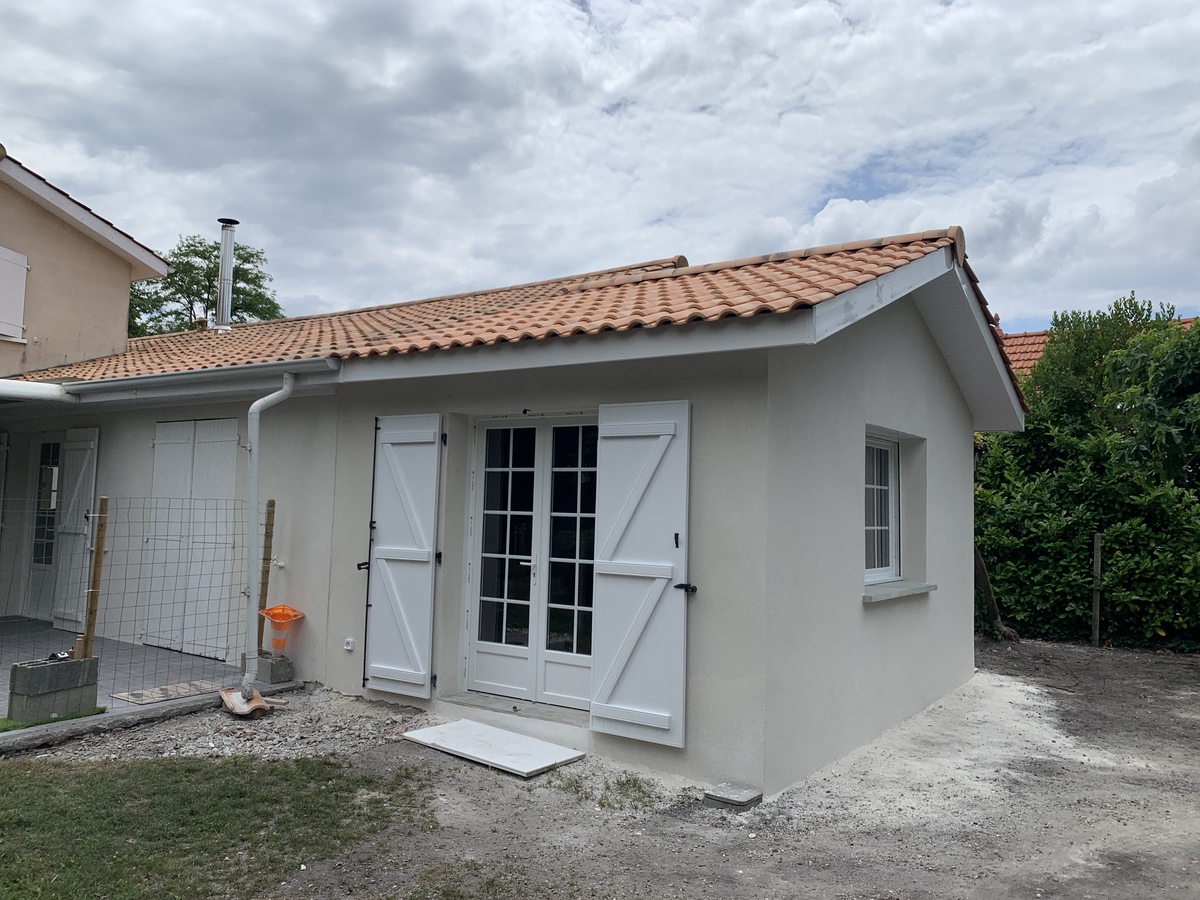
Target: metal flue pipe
x=225, y=278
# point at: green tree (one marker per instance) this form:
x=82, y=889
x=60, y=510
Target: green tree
x=175, y=302
x=1111, y=446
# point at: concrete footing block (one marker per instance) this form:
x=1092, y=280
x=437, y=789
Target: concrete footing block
x=275, y=669
x=44, y=689
x=736, y=797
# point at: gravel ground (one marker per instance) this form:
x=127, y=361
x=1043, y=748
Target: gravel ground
x=1058, y=771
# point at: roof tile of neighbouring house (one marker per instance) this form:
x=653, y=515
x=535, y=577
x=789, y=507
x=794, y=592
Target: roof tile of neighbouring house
x=650, y=295
x=1025, y=348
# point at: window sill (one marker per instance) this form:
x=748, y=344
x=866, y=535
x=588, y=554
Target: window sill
x=894, y=590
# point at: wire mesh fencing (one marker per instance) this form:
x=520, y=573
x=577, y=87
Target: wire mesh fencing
x=171, y=603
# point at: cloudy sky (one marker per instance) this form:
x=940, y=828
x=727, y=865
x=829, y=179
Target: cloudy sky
x=389, y=150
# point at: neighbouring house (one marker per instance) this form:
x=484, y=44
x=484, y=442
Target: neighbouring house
x=710, y=520
x=65, y=275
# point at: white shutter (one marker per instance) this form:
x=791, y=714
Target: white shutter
x=214, y=584
x=72, y=527
x=214, y=465
x=400, y=586
x=13, y=267
x=639, y=641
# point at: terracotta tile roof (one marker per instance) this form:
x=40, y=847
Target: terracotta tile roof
x=650, y=295
x=1026, y=348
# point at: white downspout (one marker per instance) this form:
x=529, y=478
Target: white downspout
x=253, y=542
x=35, y=390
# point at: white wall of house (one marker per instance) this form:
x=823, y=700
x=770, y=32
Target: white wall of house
x=726, y=668
x=841, y=671
x=787, y=668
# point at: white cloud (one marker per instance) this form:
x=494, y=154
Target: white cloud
x=382, y=151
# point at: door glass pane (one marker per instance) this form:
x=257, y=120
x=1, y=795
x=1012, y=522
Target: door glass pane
x=492, y=580
x=562, y=536
x=491, y=621
x=520, y=541
x=587, y=492
x=583, y=637
x=494, y=533
x=522, y=491
x=566, y=448
x=590, y=438
x=495, y=490
x=497, y=448
x=518, y=580
x=560, y=628
x=563, y=497
x=522, y=447
x=562, y=583
x=585, y=584
x=516, y=628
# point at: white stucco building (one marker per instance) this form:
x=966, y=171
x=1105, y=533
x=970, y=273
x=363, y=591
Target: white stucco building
x=709, y=520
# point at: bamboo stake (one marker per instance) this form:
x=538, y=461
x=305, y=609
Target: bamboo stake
x=1096, y=590
x=265, y=575
x=93, y=593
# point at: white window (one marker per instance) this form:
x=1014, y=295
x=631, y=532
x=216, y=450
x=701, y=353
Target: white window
x=882, y=510
x=13, y=267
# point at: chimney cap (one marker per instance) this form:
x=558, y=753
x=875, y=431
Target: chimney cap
x=227, y=221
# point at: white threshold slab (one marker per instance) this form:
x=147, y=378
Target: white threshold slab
x=495, y=747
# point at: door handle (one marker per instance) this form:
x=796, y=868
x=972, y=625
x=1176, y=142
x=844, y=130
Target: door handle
x=365, y=564
x=686, y=587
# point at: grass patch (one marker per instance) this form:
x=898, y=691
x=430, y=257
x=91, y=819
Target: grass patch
x=186, y=828
x=10, y=725
x=467, y=880
x=627, y=791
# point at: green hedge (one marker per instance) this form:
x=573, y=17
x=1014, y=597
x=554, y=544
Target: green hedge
x=1111, y=446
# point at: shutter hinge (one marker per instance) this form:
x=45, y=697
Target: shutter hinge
x=433, y=681
x=438, y=557
x=443, y=439
x=372, y=524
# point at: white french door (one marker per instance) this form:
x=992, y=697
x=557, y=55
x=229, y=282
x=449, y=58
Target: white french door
x=533, y=531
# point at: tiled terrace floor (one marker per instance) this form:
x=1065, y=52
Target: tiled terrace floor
x=124, y=667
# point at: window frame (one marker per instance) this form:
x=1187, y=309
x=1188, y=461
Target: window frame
x=893, y=571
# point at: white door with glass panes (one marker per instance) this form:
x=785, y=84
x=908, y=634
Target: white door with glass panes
x=533, y=531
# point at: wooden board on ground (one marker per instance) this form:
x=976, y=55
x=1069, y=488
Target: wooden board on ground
x=495, y=747
x=169, y=692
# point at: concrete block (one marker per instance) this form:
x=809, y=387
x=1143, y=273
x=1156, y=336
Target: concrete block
x=275, y=669
x=731, y=796
x=44, y=689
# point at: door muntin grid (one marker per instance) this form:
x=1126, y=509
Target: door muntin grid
x=572, y=539
x=506, y=559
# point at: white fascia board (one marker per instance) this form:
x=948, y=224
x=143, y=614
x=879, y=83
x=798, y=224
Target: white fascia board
x=844, y=310
x=957, y=323
x=723, y=335
x=145, y=264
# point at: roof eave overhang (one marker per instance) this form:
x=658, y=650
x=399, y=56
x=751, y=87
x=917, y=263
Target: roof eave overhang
x=955, y=316
x=143, y=262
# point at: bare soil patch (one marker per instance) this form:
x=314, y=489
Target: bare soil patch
x=1058, y=771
